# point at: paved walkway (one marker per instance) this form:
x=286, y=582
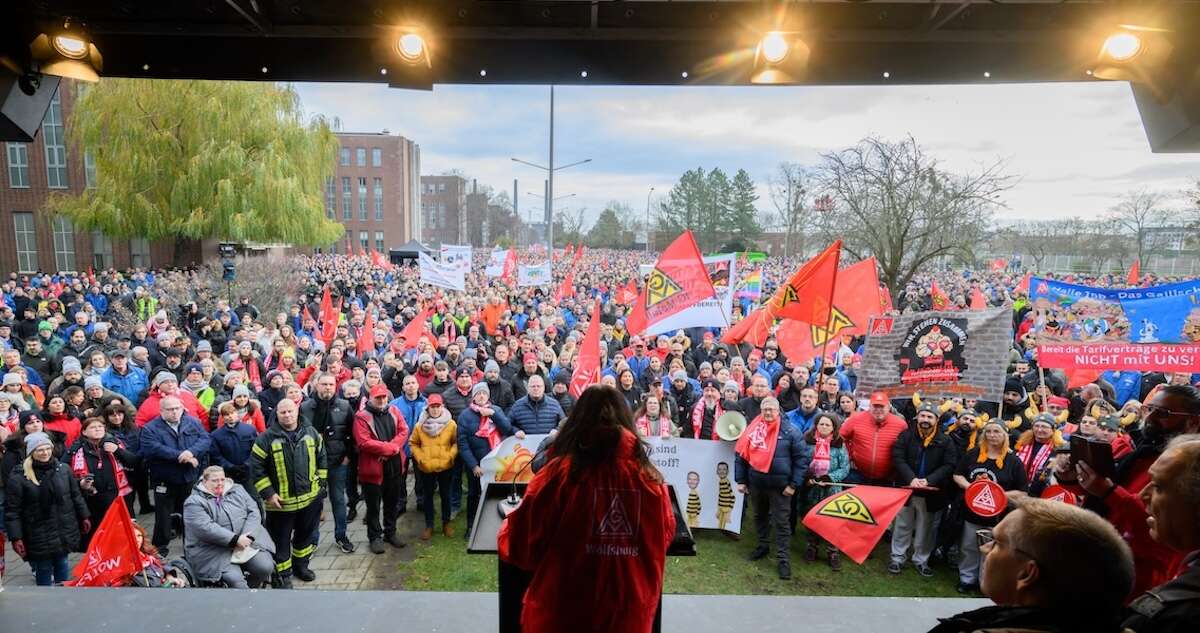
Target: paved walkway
x=335, y=570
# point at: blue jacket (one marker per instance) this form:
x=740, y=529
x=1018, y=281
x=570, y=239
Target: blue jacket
x=99, y=302
x=638, y=365
x=231, y=447
x=1126, y=385
x=31, y=376
x=802, y=422
x=161, y=448
x=411, y=410
x=534, y=418
x=770, y=369
x=788, y=465
x=471, y=447
x=131, y=385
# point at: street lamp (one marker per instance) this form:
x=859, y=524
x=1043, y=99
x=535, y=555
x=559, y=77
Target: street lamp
x=648, y=194
x=550, y=182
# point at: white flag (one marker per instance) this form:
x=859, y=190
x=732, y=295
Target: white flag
x=441, y=275
x=536, y=275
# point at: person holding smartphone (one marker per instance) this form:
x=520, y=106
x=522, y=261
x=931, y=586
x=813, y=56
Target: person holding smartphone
x=102, y=464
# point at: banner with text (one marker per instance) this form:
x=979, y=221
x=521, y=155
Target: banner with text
x=535, y=275
x=939, y=354
x=1120, y=356
x=441, y=275
x=1072, y=313
x=714, y=312
x=458, y=256
x=700, y=470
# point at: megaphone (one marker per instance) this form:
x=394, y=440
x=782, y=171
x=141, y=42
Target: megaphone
x=730, y=426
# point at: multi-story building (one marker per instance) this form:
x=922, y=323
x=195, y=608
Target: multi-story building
x=444, y=209
x=374, y=192
x=32, y=241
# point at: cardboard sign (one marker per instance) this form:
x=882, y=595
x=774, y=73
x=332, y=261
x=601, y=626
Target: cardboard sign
x=985, y=498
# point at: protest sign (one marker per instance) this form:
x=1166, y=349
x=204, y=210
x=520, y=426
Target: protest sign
x=441, y=275
x=940, y=354
x=535, y=275
x=457, y=256
x=700, y=470
x=1120, y=356
x=715, y=311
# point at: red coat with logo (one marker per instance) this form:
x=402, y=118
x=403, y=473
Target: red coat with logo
x=596, y=546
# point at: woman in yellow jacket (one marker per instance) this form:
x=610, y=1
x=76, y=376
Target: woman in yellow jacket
x=434, y=447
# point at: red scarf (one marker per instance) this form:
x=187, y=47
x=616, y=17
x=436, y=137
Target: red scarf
x=821, y=457
x=487, y=428
x=698, y=419
x=251, y=371
x=79, y=466
x=664, y=427
x=1035, y=463
x=757, y=444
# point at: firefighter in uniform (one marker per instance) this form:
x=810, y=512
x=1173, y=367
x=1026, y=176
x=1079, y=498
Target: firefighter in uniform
x=287, y=466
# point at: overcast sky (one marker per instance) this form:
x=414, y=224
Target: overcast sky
x=1075, y=147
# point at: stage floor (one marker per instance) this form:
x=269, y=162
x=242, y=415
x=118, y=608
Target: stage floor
x=208, y=610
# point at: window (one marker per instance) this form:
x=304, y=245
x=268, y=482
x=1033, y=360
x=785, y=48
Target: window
x=139, y=252
x=362, y=198
x=441, y=186
x=102, y=252
x=378, y=198
x=376, y=157
x=64, y=243
x=89, y=169
x=345, y=157
x=379, y=241
x=364, y=240
x=56, y=149
x=26, y=238
x=18, y=165
x=347, y=209
x=360, y=156
x=330, y=197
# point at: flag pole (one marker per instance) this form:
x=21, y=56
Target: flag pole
x=832, y=290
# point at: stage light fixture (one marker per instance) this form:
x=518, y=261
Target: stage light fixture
x=411, y=46
x=67, y=52
x=1122, y=46
x=483, y=72
x=774, y=47
x=887, y=75
x=684, y=74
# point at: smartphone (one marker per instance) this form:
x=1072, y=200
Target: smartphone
x=1098, y=455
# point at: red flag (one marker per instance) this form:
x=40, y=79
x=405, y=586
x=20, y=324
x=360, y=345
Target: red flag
x=566, y=288
x=853, y=520
x=999, y=264
x=366, y=337
x=307, y=316
x=853, y=306
x=587, y=365
x=808, y=295
x=510, y=266
x=978, y=301
x=940, y=300
x=679, y=280
x=412, y=332
x=755, y=327
x=328, y=318
x=627, y=294
x=1078, y=377
x=578, y=254
x=112, y=557
x=349, y=248
x=1135, y=276
x=1023, y=286
x=885, y=297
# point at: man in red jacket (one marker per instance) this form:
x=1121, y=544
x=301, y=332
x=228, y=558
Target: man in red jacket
x=380, y=432
x=1171, y=411
x=869, y=437
x=165, y=384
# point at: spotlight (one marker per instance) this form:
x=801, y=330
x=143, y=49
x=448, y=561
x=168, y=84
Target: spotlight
x=583, y=74
x=411, y=46
x=67, y=52
x=483, y=72
x=774, y=47
x=265, y=70
x=1122, y=46
x=383, y=71
x=887, y=75
x=684, y=74
x=987, y=75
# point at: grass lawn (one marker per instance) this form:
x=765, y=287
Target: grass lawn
x=719, y=568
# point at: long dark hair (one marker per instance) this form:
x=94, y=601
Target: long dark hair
x=127, y=424
x=591, y=435
x=835, y=439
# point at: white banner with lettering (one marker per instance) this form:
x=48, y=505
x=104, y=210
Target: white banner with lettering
x=535, y=275
x=441, y=275
x=458, y=256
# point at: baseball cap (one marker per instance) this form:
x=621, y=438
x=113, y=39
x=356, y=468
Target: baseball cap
x=379, y=390
x=880, y=398
x=529, y=356
x=434, y=398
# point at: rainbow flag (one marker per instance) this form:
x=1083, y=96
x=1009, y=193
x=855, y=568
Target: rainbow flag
x=750, y=286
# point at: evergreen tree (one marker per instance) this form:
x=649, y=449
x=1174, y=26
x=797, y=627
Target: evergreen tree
x=607, y=231
x=742, y=219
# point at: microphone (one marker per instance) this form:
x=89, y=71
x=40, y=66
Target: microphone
x=510, y=503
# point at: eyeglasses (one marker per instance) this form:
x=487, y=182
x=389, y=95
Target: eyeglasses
x=985, y=539
x=1153, y=410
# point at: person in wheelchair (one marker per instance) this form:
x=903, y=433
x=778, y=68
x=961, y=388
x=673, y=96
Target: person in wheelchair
x=224, y=541
x=156, y=572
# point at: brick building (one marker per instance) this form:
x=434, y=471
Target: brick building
x=444, y=209
x=375, y=192
x=30, y=240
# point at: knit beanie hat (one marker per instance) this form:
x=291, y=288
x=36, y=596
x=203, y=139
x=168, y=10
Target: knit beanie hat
x=490, y=366
x=33, y=441
x=480, y=386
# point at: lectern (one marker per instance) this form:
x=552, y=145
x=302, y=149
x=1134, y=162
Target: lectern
x=512, y=581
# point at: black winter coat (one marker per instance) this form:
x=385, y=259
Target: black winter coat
x=787, y=466
x=54, y=532
x=338, y=433
x=455, y=401
x=934, y=463
x=502, y=394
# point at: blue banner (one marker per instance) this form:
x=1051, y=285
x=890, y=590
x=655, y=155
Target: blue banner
x=1159, y=314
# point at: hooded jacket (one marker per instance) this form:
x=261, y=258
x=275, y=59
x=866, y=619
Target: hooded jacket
x=380, y=435
x=49, y=524
x=434, y=442
x=211, y=529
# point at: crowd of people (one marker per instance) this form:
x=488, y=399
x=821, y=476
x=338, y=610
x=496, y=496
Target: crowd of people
x=235, y=426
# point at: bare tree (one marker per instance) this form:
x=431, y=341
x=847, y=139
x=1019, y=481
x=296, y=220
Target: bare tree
x=1136, y=213
x=568, y=225
x=892, y=201
x=788, y=187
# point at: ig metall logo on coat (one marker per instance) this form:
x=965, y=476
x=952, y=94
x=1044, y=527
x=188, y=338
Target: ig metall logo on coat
x=615, y=513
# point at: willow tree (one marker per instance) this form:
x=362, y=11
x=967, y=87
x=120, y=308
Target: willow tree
x=179, y=160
